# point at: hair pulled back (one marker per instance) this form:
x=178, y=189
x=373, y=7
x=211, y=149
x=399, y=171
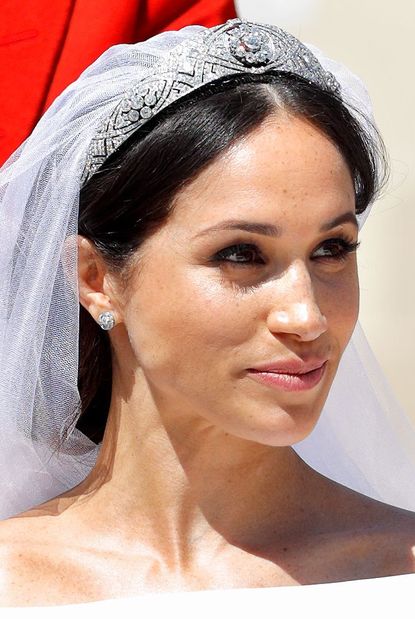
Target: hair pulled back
x=133, y=192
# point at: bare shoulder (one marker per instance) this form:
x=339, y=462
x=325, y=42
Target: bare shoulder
x=15, y=551
x=396, y=522
x=364, y=538
x=389, y=538
x=35, y=567
x=25, y=560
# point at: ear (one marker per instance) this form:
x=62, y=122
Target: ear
x=96, y=288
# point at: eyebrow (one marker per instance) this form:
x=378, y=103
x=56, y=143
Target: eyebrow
x=271, y=230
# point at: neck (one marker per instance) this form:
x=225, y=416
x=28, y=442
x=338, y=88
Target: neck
x=175, y=479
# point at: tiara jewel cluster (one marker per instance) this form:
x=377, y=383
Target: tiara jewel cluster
x=229, y=49
x=250, y=45
x=138, y=104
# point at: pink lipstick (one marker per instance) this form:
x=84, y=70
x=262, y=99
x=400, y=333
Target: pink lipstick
x=289, y=382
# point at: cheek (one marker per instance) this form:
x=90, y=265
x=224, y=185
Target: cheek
x=340, y=304
x=188, y=321
x=187, y=324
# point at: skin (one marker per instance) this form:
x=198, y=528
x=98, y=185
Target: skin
x=197, y=485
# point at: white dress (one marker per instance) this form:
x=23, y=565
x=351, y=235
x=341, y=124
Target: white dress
x=358, y=599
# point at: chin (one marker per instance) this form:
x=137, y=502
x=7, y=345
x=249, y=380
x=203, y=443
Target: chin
x=285, y=430
x=290, y=437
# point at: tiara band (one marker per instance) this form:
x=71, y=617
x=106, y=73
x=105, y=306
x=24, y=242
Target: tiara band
x=232, y=48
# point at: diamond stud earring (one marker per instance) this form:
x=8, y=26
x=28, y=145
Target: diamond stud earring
x=106, y=320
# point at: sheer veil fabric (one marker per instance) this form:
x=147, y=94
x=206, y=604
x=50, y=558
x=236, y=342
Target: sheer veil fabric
x=364, y=439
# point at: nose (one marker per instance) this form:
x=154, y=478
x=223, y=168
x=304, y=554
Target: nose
x=294, y=306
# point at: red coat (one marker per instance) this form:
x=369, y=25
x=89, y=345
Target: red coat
x=46, y=44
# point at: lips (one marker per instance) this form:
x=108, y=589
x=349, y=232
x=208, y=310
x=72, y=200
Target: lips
x=289, y=382
x=290, y=366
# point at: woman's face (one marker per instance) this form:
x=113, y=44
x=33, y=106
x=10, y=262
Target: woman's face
x=209, y=299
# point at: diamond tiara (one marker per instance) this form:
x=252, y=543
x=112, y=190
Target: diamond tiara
x=229, y=49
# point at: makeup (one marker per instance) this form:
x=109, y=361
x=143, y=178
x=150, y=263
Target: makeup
x=289, y=382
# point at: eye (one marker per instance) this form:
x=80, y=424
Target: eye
x=242, y=254
x=337, y=249
x=247, y=254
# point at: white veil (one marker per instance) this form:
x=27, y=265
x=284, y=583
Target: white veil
x=363, y=438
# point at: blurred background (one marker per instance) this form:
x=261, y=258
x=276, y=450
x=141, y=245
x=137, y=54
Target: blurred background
x=376, y=41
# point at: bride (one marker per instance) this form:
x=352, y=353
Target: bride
x=197, y=198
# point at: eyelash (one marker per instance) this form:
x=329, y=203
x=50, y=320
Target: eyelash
x=347, y=247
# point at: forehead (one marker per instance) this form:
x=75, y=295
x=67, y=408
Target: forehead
x=286, y=169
